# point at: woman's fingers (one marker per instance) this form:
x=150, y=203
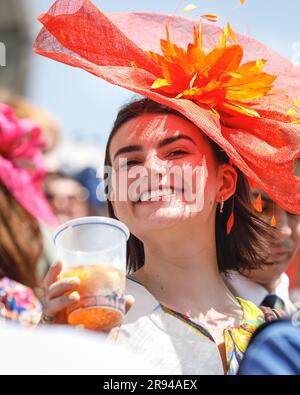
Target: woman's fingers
x=52, y=275
x=60, y=287
x=129, y=300
x=56, y=305
x=58, y=294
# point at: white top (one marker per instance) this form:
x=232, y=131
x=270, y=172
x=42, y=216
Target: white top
x=166, y=342
x=248, y=289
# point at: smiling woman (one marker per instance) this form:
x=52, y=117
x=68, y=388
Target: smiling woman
x=157, y=125
x=212, y=113
x=174, y=248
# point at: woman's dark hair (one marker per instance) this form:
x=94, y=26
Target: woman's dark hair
x=21, y=243
x=246, y=247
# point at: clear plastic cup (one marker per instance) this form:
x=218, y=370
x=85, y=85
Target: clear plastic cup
x=94, y=249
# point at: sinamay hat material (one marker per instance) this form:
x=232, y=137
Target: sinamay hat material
x=115, y=48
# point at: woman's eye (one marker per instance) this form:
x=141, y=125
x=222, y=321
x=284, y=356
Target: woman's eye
x=132, y=162
x=128, y=163
x=176, y=153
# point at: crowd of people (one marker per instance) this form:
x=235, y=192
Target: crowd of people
x=211, y=290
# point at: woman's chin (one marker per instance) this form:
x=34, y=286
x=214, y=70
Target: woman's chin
x=165, y=210
x=162, y=215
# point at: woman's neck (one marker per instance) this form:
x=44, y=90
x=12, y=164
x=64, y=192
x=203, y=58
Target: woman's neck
x=182, y=272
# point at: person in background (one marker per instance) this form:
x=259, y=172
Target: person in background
x=89, y=179
x=293, y=270
x=22, y=205
x=25, y=109
x=269, y=286
x=67, y=197
x=73, y=195
x=273, y=350
x=50, y=131
x=294, y=275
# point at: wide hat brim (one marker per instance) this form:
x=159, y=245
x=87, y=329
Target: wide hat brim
x=265, y=149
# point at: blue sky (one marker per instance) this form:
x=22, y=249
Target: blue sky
x=86, y=106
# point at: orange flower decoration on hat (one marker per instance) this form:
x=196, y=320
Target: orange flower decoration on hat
x=226, y=90
x=214, y=79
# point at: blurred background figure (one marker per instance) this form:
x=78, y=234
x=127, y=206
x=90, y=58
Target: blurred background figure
x=73, y=185
x=21, y=247
x=274, y=350
x=73, y=196
x=71, y=188
x=294, y=275
x=67, y=197
x=269, y=286
x=24, y=108
x=21, y=242
x=22, y=206
x=293, y=270
x=71, y=182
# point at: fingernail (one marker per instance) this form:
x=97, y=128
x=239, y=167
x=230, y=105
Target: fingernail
x=74, y=296
x=73, y=280
x=129, y=298
x=55, y=263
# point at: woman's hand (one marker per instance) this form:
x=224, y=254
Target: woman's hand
x=59, y=294
x=55, y=298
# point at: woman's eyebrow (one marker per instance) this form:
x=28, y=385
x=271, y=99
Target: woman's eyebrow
x=128, y=148
x=172, y=139
x=161, y=144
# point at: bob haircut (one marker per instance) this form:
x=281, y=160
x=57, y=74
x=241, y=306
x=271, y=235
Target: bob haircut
x=247, y=246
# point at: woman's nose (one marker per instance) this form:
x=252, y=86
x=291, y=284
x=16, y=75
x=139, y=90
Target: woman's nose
x=283, y=225
x=286, y=231
x=60, y=202
x=155, y=164
x=157, y=169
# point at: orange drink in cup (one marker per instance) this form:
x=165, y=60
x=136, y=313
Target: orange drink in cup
x=94, y=249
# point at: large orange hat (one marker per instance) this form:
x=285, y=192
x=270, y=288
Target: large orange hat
x=242, y=94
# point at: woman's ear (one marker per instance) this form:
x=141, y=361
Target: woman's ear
x=227, y=182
